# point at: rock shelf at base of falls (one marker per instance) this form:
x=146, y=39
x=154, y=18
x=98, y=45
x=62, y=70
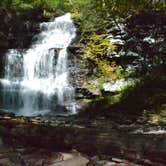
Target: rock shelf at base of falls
x=92, y=137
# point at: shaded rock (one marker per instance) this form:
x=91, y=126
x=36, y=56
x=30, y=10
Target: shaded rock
x=1, y=143
x=24, y=23
x=6, y=162
x=60, y=109
x=82, y=93
x=76, y=49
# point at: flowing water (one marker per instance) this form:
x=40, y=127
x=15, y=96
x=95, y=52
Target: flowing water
x=36, y=80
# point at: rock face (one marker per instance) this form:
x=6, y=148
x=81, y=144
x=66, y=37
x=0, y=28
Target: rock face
x=141, y=41
x=148, y=29
x=1, y=143
x=17, y=28
x=79, y=69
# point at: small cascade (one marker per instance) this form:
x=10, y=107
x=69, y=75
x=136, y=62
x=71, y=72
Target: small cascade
x=36, y=80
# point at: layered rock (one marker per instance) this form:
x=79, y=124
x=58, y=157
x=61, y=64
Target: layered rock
x=87, y=136
x=141, y=41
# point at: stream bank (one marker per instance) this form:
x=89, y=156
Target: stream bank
x=93, y=137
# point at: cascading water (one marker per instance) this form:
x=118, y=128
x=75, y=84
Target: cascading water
x=36, y=80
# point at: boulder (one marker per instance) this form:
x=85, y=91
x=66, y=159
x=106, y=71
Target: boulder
x=118, y=85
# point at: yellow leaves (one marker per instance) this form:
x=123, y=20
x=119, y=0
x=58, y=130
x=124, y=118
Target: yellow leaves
x=76, y=15
x=107, y=69
x=99, y=46
x=97, y=51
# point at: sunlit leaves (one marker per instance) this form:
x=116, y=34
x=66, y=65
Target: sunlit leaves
x=97, y=51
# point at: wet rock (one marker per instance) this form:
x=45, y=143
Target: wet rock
x=5, y=162
x=76, y=48
x=59, y=109
x=83, y=93
x=8, y=115
x=1, y=143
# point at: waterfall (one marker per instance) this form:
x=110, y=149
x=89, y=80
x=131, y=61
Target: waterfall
x=36, y=80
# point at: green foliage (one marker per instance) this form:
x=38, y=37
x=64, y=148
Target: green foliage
x=97, y=16
x=155, y=117
x=25, y=6
x=108, y=100
x=87, y=101
x=148, y=94
x=90, y=10
x=61, y=5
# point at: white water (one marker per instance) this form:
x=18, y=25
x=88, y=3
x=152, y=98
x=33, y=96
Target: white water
x=36, y=80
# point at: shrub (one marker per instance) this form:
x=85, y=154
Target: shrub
x=96, y=52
